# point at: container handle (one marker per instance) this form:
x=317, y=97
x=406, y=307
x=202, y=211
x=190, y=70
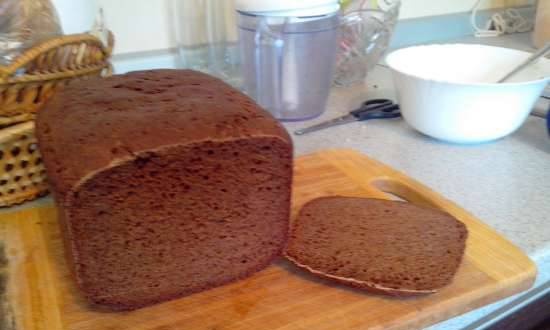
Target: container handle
x=269, y=64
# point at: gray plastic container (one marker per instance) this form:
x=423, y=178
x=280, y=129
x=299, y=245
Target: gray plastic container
x=288, y=62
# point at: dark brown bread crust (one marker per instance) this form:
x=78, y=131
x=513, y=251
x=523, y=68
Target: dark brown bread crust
x=96, y=121
x=384, y=247
x=168, y=182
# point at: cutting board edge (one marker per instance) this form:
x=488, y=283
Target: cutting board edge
x=425, y=318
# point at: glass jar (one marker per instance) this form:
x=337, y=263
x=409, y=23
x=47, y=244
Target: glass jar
x=207, y=38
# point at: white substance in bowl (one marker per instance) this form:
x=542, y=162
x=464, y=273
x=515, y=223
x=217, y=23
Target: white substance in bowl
x=449, y=91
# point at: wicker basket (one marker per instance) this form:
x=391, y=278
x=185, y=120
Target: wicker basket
x=22, y=173
x=34, y=76
x=25, y=85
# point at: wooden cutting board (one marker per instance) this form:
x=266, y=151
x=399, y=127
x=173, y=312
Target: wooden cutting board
x=41, y=295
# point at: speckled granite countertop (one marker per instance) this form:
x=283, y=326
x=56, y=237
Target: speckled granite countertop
x=505, y=183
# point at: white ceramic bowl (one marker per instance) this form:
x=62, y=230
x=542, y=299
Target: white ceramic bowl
x=448, y=91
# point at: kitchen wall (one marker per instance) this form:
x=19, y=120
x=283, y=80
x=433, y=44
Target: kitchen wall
x=148, y=25
x=420, y=8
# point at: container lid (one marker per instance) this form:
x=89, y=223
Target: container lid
x=287, y=7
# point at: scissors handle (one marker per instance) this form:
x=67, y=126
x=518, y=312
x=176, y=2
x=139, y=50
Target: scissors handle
x=372, y=105
x=390, y=111
x=377, y=109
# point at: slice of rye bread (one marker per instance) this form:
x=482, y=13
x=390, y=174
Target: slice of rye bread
x=386, y=247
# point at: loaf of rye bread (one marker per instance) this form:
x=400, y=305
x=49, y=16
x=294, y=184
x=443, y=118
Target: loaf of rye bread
x=381, y=246
x=168, y=182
